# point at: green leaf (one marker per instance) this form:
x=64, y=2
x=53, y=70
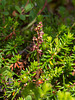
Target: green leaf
x=73, y=1
x=5, y=13
x=56, y=41
x=30, y=88
x=28, y=97
x=22, y=17
x=9, y=52
x=32, y=14
x=18, y=9
x=29, y=7
x=3, y=69
x=3, y=2
x=46, y=87
x=15, y=50
x=49, y=38
x=49, y=1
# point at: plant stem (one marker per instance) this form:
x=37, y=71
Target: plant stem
x=37, y=73
x=38, y=57
x=29, y=25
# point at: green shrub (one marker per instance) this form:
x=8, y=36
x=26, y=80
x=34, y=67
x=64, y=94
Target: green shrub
x=37, y=61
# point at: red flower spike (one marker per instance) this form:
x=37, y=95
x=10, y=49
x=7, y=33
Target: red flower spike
x=40, y=22
x=39, y=39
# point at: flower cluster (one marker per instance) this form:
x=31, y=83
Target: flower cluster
x=37, y=41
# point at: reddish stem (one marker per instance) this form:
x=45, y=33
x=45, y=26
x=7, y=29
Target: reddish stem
x=42, y=8
x=37, y=73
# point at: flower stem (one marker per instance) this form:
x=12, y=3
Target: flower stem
x=37, y=73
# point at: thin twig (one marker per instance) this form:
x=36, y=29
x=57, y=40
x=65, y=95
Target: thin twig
x=25, y=6
x=31, y=23
x=42, y=8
